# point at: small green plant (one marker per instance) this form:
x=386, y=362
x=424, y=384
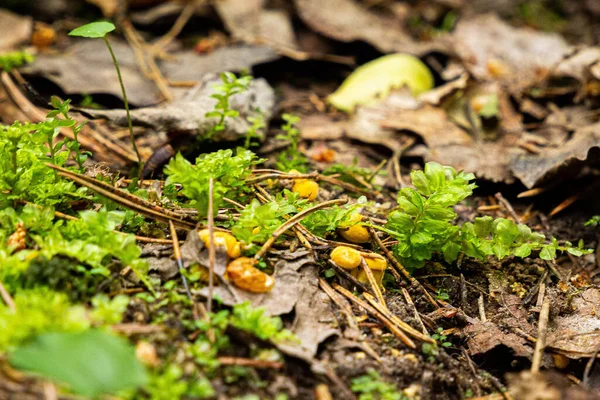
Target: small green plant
x=291, y=157
x=424, y=224
x=62, y=108
x=90, y=363
x=100, y=29
x=231, y=85
x=325, y=221
x=352, y=173
x=37, y=311
x=439, y=337
x=258, y=124
x=372, y=387
x=14, y=59
x=431, y=350
x=228, y=172
x=442, y=294
x=254, y=321
x=258, y=221
x=594, y=221
x=108, y=311
x=168, y=384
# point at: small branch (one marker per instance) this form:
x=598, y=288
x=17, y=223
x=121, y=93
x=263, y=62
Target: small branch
x=508, y=207
x=249, y=362
x=211, y=245
x=352, y=279
x=373, y=282
x=481, y=305
x=409, y=330
x=395, y=263
x=541, y=339
x=411, y=304
x=178, y=260
x=391, y=326
x=8, y=300
x=293, y=221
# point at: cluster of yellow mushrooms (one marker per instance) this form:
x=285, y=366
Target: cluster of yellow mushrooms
x=242, y=271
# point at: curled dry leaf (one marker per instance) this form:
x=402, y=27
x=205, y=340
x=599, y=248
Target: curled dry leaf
x=14, y=29
x=248, y=20
x=493, y=50
x=187, y=114
x=347, y=21
x=88, y=68
x=577, y=335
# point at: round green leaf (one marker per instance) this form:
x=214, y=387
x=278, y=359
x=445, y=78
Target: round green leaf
x=89, y=363
x=93, y=30
x=377, y=78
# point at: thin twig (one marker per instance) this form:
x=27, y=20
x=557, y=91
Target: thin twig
x=249, y=362
x=391, y=326
x=373, y=282
x=125, y=199
x=409, y=330
x=178, y=260
x=395, y=263
x=293, y=221
x=211, y=246
x=589, y=365
x=411, y=304
x=481, y=305
x=8, y=300
x=508, y=207
x=351, y=278
x=343, y=306
x=541, y=339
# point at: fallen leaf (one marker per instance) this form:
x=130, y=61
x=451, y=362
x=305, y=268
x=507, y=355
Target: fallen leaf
x=284, y=295
x=375, y=79
x=484, y=337
x=347, y=21
x=190, y=66
x=546, y=385
x=187, y=113
x=493, y=50
x=87, y=67
x=167, y=10
x=577, y=335
x=14, y=29
x=248, y=20
x=535, y=168
x=314, y=319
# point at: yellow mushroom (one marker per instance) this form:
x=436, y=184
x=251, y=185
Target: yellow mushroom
x=245, y=275
x=306, y=188
x=222, y=239
x=355, y=233
x=345, y=257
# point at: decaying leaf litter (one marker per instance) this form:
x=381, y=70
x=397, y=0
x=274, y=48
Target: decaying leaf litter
x=508, y=94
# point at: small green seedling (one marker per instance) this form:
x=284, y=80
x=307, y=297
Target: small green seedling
x=232, y=85
x=100, y=29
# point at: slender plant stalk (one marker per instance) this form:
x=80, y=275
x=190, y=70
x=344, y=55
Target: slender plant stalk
x=211, y=245
x=129, y=123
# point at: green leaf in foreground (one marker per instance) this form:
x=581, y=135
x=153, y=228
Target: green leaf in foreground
x=378, y=77
x=89, y=363
x=93, y=30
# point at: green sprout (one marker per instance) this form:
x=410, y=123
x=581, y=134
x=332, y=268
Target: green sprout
x=100, y=29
